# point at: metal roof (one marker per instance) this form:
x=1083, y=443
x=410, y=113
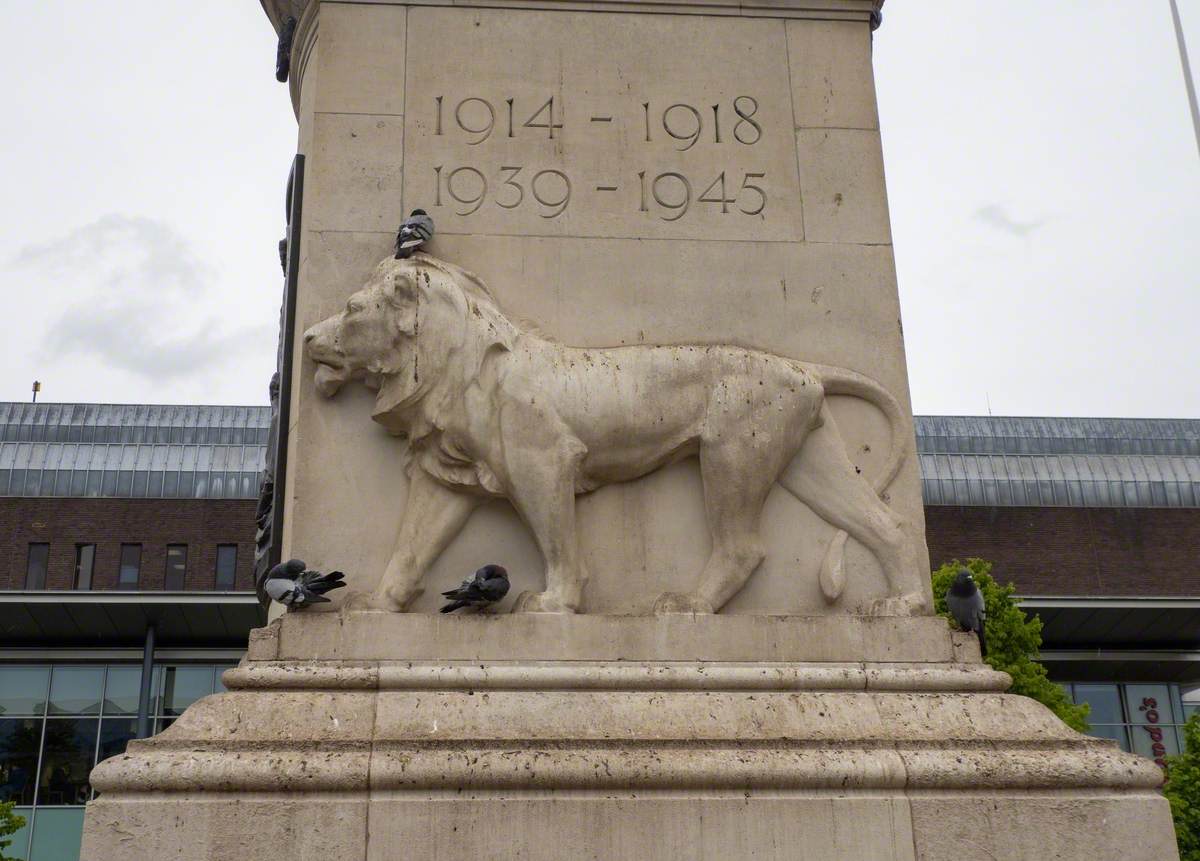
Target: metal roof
x=1081, y=462
x=138, y=450
x=101, y=450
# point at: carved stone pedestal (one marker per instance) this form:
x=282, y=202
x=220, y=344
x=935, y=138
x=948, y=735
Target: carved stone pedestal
x=429, y=737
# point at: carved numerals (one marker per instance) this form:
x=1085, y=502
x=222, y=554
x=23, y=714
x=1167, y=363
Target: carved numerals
x=468, y=187
x=688, y=124
x=477, y=118
x=669, y=195
x=673, y=194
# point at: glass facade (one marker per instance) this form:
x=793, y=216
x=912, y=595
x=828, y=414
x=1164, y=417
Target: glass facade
x=85, y=561
x=1146, y=719
x=58, y=720
x=226, y=566
x=131, y=566
x=176, y=567
x=35, y=566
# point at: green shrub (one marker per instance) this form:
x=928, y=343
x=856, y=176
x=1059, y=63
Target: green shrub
x=1183, y=791
x=1013, y=640
x=10, y=824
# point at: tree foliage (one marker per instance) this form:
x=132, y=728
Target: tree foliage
x=10, y=824
x=1183, y=791
x=1013, y=640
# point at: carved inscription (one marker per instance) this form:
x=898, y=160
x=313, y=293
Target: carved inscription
x=669, y=195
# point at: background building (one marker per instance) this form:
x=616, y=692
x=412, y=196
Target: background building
x=126, y=539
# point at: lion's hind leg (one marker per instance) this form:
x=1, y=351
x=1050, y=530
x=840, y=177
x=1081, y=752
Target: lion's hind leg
x=823, y=478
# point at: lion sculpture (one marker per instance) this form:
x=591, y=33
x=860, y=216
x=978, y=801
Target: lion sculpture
x=492, y=410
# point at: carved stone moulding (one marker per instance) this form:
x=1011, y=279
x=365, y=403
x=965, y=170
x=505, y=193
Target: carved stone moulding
x=641, y=757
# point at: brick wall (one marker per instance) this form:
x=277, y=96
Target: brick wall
x=201, y=524
x=1075, y=551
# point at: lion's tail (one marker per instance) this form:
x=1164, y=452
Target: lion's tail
x=841, y=381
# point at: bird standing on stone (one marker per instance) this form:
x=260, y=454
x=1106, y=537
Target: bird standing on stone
x=486, y=586
x=965, y=602
x=295, y=587
x=414, y=232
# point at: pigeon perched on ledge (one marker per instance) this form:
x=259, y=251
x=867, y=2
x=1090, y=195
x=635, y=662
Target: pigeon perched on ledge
x=295, y=587
x=414, y=232
x=486, y=586
x=965, y=602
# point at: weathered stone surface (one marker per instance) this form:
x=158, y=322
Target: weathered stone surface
x=423, y=753
x=488, y=118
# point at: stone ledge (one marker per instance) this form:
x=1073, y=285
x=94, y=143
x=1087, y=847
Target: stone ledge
x=380, y=636
x=580, y=675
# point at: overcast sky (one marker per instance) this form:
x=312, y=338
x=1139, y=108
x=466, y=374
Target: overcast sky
x=1043, y=178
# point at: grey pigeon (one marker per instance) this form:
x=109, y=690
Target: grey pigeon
x=486, y=586
x=965, y=603
x=416, y=230
x=295, y=587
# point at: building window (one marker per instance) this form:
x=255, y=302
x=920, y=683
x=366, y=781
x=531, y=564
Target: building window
x=35, y=568
x=226, y=566
x=131, y=566
x=58, y=721
x=1146, y=719
x=176, y=567
x=85, y=559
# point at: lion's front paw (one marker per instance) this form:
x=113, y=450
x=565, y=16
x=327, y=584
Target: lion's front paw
x=540, y=602
x=908, y=604
x=391, y=600
x=670, y=603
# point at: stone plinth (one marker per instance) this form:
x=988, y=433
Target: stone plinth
x=541, y=737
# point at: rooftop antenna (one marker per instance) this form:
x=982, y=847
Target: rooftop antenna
x=988, y=398
x=37, y=387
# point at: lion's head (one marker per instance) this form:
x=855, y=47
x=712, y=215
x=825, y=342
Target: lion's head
x=416, y=323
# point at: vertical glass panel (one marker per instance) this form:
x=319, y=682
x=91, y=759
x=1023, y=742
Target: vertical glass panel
x=162, y=723
x=68, y=753
x=57, y=834
x=182, y=686
x=122, y=690
x=226, y=566
x=1118, y=733
x=23, y=690
x=19, y=742
x=176, y=567
x=114, y=736
x=85, y=559
x=76, y=690
x=131, y=564
x=1149, y=704
x=1105, y=701
x=20, y=839
x=35, y=566
x=1150, y=712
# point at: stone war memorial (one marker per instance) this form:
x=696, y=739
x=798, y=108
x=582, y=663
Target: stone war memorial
x=651, y=363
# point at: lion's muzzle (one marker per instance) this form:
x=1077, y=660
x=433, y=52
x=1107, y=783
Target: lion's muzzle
x=320, y=343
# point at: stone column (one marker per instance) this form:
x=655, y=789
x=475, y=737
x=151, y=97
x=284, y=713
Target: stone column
x=691, y=194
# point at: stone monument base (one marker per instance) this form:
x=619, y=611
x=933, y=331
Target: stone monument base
x=583, y=737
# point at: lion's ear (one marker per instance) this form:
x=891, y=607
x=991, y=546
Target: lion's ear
x=403, y=289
